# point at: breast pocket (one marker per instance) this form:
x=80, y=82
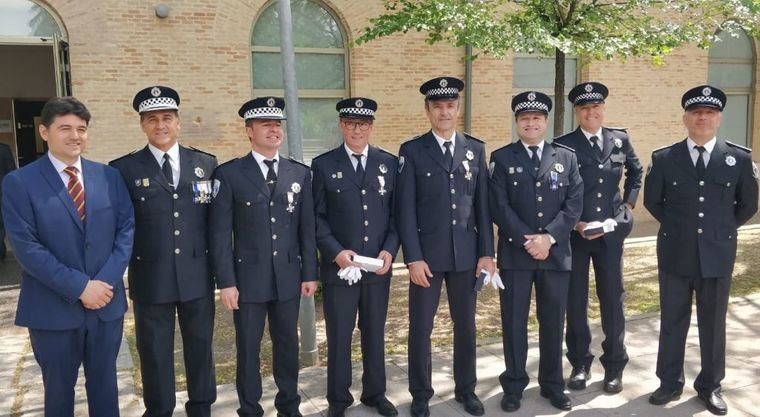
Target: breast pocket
x=249, y=207
x=725, y=182
x=336, y=196
x=144, y=201
x=430, y=182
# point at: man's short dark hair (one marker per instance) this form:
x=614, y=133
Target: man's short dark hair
x=62, y=106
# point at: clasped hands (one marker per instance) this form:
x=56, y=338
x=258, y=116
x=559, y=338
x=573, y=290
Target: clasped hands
x=538, y=246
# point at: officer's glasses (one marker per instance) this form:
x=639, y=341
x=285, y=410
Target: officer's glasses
x=351, y=125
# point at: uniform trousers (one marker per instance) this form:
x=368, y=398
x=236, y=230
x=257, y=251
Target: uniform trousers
x=608, y=274
x=283, y=331
x=341, y=304
x=423, y=305
x=60, y=353
x=551, y=299
x=675, y=316
x=154, y=332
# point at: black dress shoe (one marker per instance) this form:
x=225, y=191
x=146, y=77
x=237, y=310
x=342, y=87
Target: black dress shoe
x=510, y=403
x=662, y=395
x=578, y=377
x=296, y=414
x=613, y=382
x=336, y=412
x=714, y=402
x=559, y=400
x=471, y=403
x=383, y=406
x=420, y=408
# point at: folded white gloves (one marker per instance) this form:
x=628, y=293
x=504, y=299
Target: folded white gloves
x=351, y=274
x=494, y=280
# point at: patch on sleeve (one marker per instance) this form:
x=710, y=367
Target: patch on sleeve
x=215, y=188
x=491, y=168
x=754, y=170
x=649, y=169
x=401, y=162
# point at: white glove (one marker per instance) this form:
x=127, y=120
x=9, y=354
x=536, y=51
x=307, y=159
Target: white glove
x=494, y=280
x=351, y=274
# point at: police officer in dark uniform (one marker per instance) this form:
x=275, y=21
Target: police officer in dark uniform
x=7, y=164
x=169, y=272
x=701, y=190
x=447, y=235
x=603, y=153
x=353, y=198
x=263, y=252
x=536, y=197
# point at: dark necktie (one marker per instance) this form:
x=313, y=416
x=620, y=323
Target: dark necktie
x=75, y=189
x=595, y=146
x=166, y=169
x=271, y=175
x=534, y=156
x=701, y=168
x=359, y=167
x=448, y=158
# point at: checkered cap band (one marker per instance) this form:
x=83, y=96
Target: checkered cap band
x=358, y=111
x=442, y=91
x=589, y=97
x=263, y=112
x=703, y=100
x=531, y=105
x=157, y=103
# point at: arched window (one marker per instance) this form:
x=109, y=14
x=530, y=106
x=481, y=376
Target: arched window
x=531, y=72
x=732, y=69
x=321, y=68
x=25, y=18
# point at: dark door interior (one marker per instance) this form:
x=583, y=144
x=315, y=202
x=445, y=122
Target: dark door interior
x=29, y=146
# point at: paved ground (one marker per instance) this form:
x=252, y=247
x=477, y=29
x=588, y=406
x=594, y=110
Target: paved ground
x=21, y=386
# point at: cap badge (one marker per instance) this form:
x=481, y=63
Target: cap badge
x=155, y=91
x=589, y=88
x=707, y=91
x=199, y=172
x=295, y=187
x=469, y=155
x=532, y=96
x=559, y=168
x=359, y=103
x=270, y=102
x=443, y=83
x=383, y=168
x=618, y=142
x=730, y=160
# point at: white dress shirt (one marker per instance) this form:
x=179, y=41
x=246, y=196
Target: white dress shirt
x=351, y=158
x=441, y=141
x=264, y=168
x=530, y=153
x=709, y=146
x=173, y=153
x=598, y=134
x=60, y=166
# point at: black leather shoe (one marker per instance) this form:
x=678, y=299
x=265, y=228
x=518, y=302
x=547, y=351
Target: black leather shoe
x=420, y=408
x=662, y=395
x=613, y=382
x=578, y=377
x=336, y=412
x=559, y=400
x=296, y=414
x=714, y=402
x=383, y=406
x=510, y=403
x=471, y=403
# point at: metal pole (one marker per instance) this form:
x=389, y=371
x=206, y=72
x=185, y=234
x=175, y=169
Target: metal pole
x=468, y=88
x=309, y=354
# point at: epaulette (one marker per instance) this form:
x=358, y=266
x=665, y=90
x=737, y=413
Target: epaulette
x=322, y=155
x=663, y=147
x=474, y=138
x=231, y=161
x=124, y=156
x=622, y=129
x=564, y=147
x=744, y=148
x=386, y=151
x=203, y=152
x=411, y=139
x=298, y=162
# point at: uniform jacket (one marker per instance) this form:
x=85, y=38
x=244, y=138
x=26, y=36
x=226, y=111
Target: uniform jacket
x=352, y=214
x=170, y=256
x=59, y=253
x=525, y=202
x=264, y=245
x=601, y=178
x=442, y=212
x=698, y=219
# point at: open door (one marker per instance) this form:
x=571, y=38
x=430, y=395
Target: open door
x=61, y=66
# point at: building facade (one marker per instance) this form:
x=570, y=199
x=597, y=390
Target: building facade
x=219, y=54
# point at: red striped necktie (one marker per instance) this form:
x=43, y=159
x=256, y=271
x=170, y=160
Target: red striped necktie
x=76, y=190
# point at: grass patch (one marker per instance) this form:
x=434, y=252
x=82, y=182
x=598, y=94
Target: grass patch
x=640, y=275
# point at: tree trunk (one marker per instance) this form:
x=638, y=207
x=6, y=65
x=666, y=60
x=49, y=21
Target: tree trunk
x=559, y=92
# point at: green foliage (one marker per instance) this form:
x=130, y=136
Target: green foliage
x=594, y=29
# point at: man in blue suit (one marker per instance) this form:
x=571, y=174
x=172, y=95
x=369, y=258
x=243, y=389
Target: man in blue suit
x=70, y=223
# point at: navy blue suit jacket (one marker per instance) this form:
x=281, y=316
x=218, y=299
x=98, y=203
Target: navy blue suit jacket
x=352, y=214
x=58, y=253
x=442, y=212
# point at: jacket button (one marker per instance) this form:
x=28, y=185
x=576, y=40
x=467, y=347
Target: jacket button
x=540, y=214
x=454, y=222
x=601, y=166
x=175, y=196
x=598, y=195
x=176, y=214
x=540, y=198
x=176, y=233
x=514, y=183
x=137, y=257
x=510, y=239
x=538, y=184
x=142, y=198
x=240, y=260
x=274, y=237
x=271, y=204
x=364, y=207
x=366, y=238
x=598, y=209
x=699, y=231
x=176, y=251
x=453, y=206
x=451, y=176
x=247, y=203
x=701, y=199
x=701, y=183
x=428, y=174
x=701, y=215
x=364, y=192
x=452, y=191
x=274, y=253
x=366, y=223
x=273, y=220
x=601, y=180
